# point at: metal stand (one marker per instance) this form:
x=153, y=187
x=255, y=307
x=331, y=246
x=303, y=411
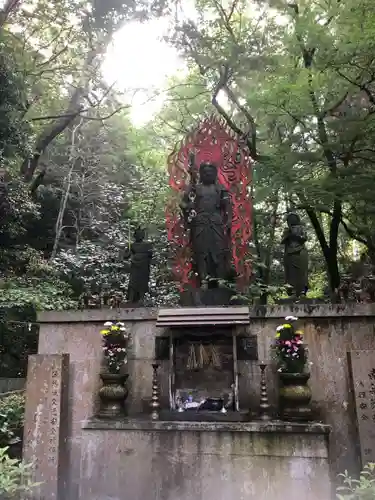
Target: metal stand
x=155, y=404
x=264, y=407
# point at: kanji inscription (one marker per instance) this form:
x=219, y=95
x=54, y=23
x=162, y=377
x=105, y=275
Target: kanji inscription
x=363, y=377
x=44, y=435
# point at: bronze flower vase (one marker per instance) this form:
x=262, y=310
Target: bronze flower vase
x=113, y=395
x=295, y=397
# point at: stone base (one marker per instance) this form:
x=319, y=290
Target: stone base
x=303, y=414
x=204, y=416
x=145, y=460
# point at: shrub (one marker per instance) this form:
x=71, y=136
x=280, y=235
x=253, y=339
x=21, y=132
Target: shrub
x=15, y=476
x=358, y=489
x=12, y=409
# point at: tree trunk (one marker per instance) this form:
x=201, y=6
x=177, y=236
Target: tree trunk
x=269, y=252
x=65, y=197
x=329, y=251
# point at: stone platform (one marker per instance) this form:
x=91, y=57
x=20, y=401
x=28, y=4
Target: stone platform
x=330, y=332
x=145, y=460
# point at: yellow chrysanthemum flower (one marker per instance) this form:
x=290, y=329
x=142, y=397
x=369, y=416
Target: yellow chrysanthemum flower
x=115, y=328
x=105, y=332
x=287, y=325
x=277, y=335
x=299, y=332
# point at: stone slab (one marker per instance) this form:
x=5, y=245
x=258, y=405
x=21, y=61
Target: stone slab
x=362, y=365
x=275, y=426
x=179, y=465
x=46, y=424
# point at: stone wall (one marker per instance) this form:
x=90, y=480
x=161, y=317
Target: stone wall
x=331, y=331
x=202, y=461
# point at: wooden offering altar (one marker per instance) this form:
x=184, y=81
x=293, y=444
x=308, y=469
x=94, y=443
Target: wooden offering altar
x=202, y=346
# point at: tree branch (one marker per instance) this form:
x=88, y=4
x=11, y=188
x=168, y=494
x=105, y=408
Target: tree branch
x=250, y=119
x=361, y=86
x=223, y=85
x=10, y=6
x=75, y=108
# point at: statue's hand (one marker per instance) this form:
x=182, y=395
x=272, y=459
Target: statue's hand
x=126, y=254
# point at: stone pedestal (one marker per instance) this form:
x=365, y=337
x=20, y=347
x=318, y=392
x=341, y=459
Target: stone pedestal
x=145, y=460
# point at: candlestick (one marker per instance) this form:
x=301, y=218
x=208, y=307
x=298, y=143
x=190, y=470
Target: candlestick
x=155, y=404
x=264, y=407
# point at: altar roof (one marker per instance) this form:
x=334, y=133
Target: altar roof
x=196, y=316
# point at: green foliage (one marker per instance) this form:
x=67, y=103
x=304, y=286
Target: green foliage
x=14, y=129
x=95, y=267
x=358, y=489
x=296, y=81
x=41, y=294
x=15, y=476
x=12, y=410
x=18, y=340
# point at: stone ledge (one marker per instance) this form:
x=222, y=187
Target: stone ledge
x=255, y=312
x=98, y=315
x=312, y=311
x=274, y=427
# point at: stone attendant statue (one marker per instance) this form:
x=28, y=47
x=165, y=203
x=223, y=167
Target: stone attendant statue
x=141, y=256
x=295, y=255
x=207, y=210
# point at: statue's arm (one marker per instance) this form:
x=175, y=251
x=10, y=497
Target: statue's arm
x=303, y=236
x=299, y=235
x=185, y=204
x=285, y=237
x=227, y=208
x=125, y=254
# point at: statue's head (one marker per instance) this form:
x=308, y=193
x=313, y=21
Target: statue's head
x=139, y=234
x=208, y=173
x=293, y=219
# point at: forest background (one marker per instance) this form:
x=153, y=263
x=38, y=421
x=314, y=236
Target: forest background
x=296, y=80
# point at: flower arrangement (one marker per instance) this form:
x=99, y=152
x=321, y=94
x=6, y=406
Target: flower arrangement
x=115, y=338
x=289, y=349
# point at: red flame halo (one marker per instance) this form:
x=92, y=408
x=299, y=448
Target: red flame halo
x=213, y=142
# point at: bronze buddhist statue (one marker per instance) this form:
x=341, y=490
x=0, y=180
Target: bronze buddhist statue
x=207, y=211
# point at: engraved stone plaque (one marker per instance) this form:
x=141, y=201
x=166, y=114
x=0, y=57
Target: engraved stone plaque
x=247, y=348
x=363, y=378
x=45, y=425
x=162, y=348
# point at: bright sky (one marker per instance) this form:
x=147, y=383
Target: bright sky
x=140, y=63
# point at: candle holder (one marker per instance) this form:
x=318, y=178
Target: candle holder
x=264, y=406
x=155, y=403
